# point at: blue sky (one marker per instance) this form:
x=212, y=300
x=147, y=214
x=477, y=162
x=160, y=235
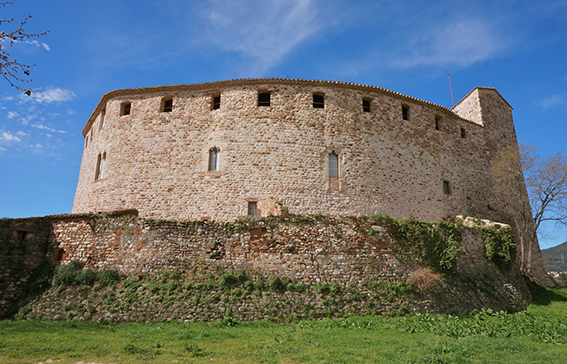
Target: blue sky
x=519, y=47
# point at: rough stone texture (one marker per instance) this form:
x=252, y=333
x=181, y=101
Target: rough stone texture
x=156, y=162
x=307, y=249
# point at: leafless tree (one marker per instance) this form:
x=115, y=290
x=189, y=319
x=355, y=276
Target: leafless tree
x=13, y=71
x=531, y=191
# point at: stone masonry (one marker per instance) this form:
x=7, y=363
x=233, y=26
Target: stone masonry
x=434, y=165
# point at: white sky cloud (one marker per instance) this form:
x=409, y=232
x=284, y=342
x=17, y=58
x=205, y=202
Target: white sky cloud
x=552, y=101
x=41, y=126
x=3, y=148
x=53, y=94
x=262, y=30
x=4, y=135
x=12, y=114
x=462, y=42
x=38, y=44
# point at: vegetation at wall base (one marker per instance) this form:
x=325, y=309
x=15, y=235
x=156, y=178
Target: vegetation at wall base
x=538, y=335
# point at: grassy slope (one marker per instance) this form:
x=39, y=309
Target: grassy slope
x=555, y=259
x=536, y=336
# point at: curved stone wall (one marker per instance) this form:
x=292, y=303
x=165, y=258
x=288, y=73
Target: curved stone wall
x=434, y=165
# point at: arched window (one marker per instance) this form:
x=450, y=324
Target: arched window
x=101, y=159
x=333, y=165
x=334, y=183
x=214, y=154
x=102, y=115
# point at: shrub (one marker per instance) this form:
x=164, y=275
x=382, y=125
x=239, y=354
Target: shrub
x=226, y=281
x=108, y=277
x=335, y=289
x=500, y=246
x=322, y=288
x=275, y=284
x=424, y=280
x=87, y=277
x=67, y=274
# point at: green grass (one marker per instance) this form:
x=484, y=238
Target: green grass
x=538, y=335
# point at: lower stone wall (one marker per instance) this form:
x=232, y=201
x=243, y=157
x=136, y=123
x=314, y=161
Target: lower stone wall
x=308, y=249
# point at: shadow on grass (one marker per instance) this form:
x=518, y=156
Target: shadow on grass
x=544, y=296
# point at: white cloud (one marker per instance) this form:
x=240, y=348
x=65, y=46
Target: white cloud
x=53, y=94
x=9, y=137
x=262, y=30
x=3, y=148
x=552, y=101
x=462, y=42
x=21, y=133
x=12, y=114
x=41, y=126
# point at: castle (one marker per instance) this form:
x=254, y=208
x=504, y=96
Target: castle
x=221, y=150
x=161, y=161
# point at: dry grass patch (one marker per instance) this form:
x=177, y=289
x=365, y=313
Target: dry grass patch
x=427, y=281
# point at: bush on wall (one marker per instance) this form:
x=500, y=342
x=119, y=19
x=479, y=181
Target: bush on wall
x=500, y=246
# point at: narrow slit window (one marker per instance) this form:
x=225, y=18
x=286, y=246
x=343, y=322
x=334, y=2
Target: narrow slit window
x=214, y=160
x=405, y=112
x=446, y=187
x=168, y=105
x=264, y=99
x=102, y=115
x=463, y=133
x=333, y=165
x=101, y=160
x=437, y=123
x=126, y=108
x=319, y=101
x=252, y=208
x=216, y=102
x=366, y=105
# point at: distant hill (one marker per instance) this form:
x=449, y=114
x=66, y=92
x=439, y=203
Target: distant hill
x=555, y=259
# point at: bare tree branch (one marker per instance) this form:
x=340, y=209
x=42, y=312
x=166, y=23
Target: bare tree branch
x=13, y=71
x=519, y=171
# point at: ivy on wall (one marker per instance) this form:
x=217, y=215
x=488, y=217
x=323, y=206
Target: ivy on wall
x=500, y=246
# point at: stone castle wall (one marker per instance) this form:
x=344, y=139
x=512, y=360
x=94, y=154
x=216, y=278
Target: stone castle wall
x=157, y=162
x=307, y=249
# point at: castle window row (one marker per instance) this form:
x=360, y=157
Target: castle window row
x=264, y=100
x=333, y=173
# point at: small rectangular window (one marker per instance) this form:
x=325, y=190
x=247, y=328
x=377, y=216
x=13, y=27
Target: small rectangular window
x=216, y=102
x=319, y=101
x=446, y=187
x=366, y=105
x=463, y=133
x=437, y=123
x=405, y=112
x=125, y=109
x=168, y=105
x=264, y=99
x=252, y=209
